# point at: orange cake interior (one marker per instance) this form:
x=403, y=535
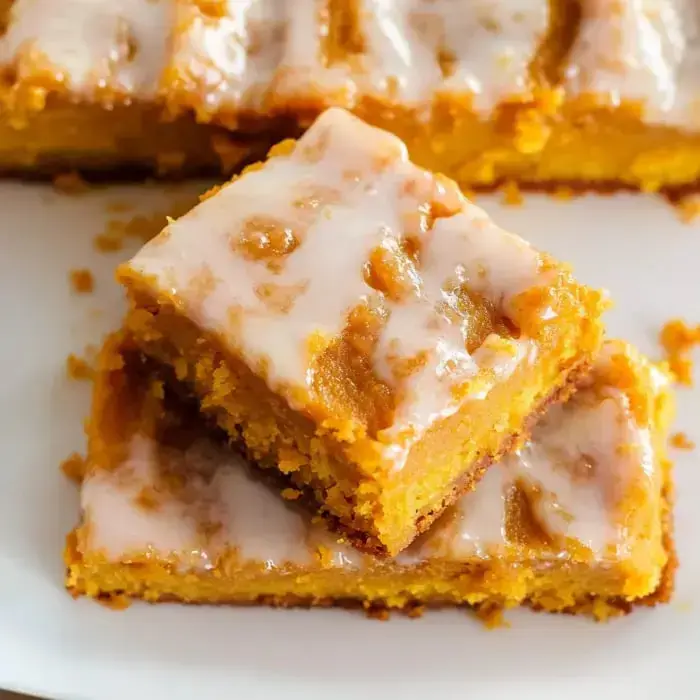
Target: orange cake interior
x=589, y=92
x=361, y=326
x=577, y=520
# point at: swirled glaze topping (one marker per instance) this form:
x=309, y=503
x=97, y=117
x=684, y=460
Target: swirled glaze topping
x=249, y=55
x=645, y=51
x=342, y=260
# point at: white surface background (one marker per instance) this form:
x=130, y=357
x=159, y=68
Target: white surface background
x=58, y=647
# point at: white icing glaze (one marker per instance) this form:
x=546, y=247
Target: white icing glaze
x=90, y=45
x=256, y=49
x=270, y=52
x=219, y=495
x=486, y=48
x=124, y=529
x=641, y=50
x=370, y=188
x=587, y=502
x=409, y=50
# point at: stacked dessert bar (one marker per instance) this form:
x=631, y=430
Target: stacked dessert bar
x=601, y=93
x=339, y=381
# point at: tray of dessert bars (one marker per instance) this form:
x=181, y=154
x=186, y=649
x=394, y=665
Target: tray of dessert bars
x=349, y=348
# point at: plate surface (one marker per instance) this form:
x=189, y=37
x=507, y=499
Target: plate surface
x=58, y=647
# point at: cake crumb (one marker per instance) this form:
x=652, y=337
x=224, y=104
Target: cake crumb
x=512, y=196
x=114, y=601
x=74, y=467
x=109, y=241
x=681, y=441
x=377, y=613
x=70, y=183
x=688, y=208
x=79, y=368
x=491, y=616
x=141, y=228
x=291, y=494
x=678, y=339
x=82, y=281
x=415, y=611
x=563, y=193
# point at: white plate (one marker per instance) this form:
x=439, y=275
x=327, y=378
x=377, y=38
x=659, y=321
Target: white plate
x=53, y=645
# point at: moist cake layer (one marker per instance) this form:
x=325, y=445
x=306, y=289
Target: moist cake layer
x=576, y=520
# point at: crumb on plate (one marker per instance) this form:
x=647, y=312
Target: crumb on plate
x=512, y=196
x=681, y=441
x=141, y=227
x=82, y=281
x=688, y=208
x=74, y=467
x=491, y=616
x=678, y=339
x=70, y=183
x=563, y=193
x=79, y=368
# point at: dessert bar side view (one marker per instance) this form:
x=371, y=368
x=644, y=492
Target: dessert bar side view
x=577, y=520
x=597, y=93
x=361, y=327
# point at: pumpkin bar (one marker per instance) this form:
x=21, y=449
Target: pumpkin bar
x=542, y=92
x=630, y=111
x=80, y=88
x=577, y=520
x=594, y=93
x=361, y=326
x=589, y=93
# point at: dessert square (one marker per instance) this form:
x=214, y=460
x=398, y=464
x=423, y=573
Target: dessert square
x=468, y=86
x=577, y=520
x=630, y=113
x=590, y=94
x=361, y=326
x=80, y=88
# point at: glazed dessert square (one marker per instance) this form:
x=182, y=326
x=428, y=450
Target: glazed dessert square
x=80, y=88
x=578, y=520
x=540, y=92
x=630, y=110
x=467, y=85
x=363, y=327
x=586, y=92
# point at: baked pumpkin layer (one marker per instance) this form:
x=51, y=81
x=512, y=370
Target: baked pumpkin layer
x=579, y=520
